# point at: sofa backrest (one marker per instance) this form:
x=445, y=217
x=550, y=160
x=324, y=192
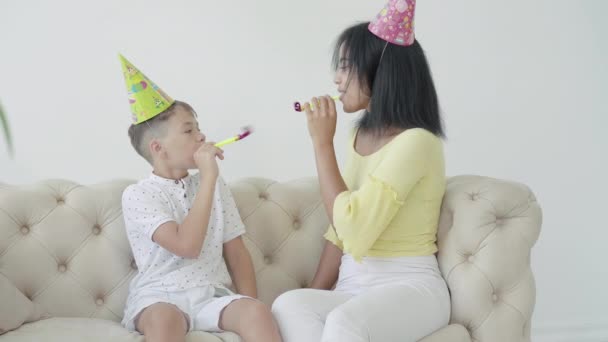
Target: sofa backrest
x=64, y=246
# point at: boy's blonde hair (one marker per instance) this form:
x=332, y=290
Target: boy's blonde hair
x=142, y=133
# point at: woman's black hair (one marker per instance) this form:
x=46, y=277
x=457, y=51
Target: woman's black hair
x=398, y=78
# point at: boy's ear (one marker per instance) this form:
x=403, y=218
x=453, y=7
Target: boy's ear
x=155, y=147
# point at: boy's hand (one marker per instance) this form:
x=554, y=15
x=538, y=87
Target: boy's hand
x=205, y=160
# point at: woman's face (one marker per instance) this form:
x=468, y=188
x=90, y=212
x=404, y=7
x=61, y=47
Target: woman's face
x=353, y=94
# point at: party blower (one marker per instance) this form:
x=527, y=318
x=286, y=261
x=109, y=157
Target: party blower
x=298, y=107
x=246, y=131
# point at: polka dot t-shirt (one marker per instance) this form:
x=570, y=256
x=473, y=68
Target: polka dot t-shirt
x=156, y=200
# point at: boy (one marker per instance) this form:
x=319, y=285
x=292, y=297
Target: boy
x=184, y=230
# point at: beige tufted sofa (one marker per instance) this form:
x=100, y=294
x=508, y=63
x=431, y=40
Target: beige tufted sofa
x=65, y=263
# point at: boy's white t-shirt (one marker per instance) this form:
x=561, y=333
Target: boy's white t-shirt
x=157, y=200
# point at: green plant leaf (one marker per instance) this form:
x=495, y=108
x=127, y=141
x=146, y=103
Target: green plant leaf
x=6, y=130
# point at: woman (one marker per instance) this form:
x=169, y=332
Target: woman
x=384, y=208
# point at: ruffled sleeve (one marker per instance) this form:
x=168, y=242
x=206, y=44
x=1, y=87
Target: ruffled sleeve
x=360, y=216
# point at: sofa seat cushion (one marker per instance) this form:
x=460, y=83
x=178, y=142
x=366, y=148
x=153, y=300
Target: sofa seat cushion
x=61, y=329
x=451, y=333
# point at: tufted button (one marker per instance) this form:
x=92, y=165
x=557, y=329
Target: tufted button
x=60, y=200
x=495, y=297
x=99, y=301
x=268, y=260
x=469, y=257
x=296, y=224
x=263, y=196
x=25, y=230
x=62, y=268
x=499, y=221
x=473, y=196
x=96, y=229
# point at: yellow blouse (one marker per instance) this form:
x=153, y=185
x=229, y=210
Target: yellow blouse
x=392, y=204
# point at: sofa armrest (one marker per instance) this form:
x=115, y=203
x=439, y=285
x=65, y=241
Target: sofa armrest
x=486, y=232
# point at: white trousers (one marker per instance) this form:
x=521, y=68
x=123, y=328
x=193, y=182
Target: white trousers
x=410, y=304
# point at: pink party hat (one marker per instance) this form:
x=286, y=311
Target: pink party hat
x=395, y=23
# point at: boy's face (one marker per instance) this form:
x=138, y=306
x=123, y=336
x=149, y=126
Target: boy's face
x=176, y=149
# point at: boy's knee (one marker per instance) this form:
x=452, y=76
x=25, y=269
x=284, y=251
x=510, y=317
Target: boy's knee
x=258, y=318
x=257, y=310
x=162, y=318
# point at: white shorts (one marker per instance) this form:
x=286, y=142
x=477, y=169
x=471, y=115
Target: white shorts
x=201, y=306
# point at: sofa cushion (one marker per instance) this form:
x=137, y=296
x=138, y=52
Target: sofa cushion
x=451, y=333
x=94, y=330
x=16, y=308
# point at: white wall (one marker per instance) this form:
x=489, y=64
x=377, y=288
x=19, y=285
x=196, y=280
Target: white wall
x=522, y=85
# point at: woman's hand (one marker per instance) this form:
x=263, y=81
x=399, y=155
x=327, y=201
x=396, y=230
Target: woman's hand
x=322, y=128
x=321, y=120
